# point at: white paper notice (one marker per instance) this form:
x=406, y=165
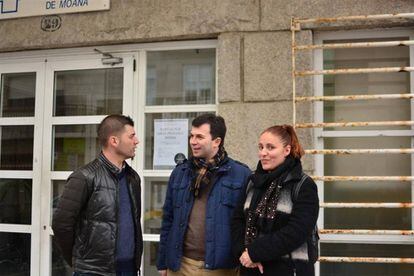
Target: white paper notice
x=170, y=138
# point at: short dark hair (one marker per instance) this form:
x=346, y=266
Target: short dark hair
x=217, y=125
x=112, y=125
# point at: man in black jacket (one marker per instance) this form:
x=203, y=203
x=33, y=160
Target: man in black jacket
x=96, y=224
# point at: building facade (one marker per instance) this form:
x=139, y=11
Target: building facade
x=165, y=62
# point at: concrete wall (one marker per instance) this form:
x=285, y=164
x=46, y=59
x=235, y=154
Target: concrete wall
x=155, y=20
x=254, y=41
x=255, y=87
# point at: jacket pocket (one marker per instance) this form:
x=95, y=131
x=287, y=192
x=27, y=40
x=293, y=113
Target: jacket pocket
x=178, y=195
x=83, y=239
x=230, y=193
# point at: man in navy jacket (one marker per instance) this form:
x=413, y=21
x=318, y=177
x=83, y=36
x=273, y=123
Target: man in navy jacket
x=202, y=193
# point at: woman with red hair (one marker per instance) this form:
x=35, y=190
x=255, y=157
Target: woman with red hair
x=272, y=227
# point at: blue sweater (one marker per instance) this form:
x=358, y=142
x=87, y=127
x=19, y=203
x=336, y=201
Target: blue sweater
x=125, y=248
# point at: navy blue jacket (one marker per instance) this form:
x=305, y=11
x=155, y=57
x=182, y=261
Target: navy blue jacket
x=229, y=184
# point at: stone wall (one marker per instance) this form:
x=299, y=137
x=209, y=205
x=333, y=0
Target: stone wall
x=254, y=49
x=130, y=21
x=255, y=87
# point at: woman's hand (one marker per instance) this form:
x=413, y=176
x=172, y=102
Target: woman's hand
x=260, y=267
x=245, y=259
x=162, y=272
x=247, y=262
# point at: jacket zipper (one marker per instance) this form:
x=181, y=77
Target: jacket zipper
x=117, y=220
x=135, y=207
x=214, y=179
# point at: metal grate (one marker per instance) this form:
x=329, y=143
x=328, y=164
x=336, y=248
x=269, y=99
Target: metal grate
x=296, y=26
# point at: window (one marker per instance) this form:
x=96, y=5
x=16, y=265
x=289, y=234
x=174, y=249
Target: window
x=181, y=77
x=180, y=85
x=377, y=137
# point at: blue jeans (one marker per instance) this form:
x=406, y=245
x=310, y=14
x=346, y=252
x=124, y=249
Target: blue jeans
x=117, y=274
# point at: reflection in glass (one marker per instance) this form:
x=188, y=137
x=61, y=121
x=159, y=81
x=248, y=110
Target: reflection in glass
x=14, y=254
x=57, y=190
x=16, y=201
x=366, y=250
x=59, y=265
x=373, y=83
x=18, y=94
x=88, y=92
x=16, y=147
x=149, y=133
x=181, y=77
x=150, y=258
x=74, y=146
x=368, y=191
x=155, y=191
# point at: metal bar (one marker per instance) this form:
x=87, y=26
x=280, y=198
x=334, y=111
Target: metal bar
x=359, y=151
x=363, y=178
x=354, y=97
x=354, y=71
x=366, y=205
x=356, y=45
x=367, y=232
x=293, y=73
x=355, y=124
x=355, y=17
x=366, y=260
x=180, y=108
x=367, y=133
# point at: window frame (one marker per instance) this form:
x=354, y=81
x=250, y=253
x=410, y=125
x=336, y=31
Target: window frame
x=319, y=134
x=147, y=109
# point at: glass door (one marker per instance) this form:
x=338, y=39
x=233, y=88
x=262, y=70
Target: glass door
x=80, y=94
x=21, y=89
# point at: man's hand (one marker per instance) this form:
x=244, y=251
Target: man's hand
x=163, y=272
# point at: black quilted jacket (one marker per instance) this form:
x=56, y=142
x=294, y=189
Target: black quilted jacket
x=85, y=220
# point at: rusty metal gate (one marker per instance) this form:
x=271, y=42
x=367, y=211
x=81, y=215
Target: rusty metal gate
x=297, y=25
